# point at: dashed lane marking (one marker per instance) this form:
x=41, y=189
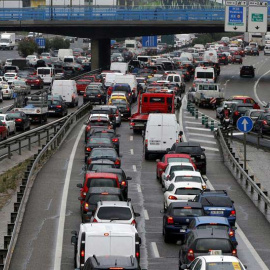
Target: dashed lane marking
x=146, y=216
x=194, y=123
x=210, y=148
x=134, y=168
x=155, y=249
x=194, y=128
x=131, y=138
x=131, y=151
x=201, y=135
x=139, y=188
x=202, y=141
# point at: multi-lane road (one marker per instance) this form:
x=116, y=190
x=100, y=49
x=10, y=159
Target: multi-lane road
x=53, y=209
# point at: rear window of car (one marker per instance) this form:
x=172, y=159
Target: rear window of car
x=187, y=212
x=177, y=159
x=107, y=153
x=14, y=115
x=121, y=213
x=221, y=227
x=82, y=82
x=204, y=245
x=54, y=102
x=187, y=191
x=99, y=167
x=121, y=88
x=217, y=201
x=100, y=112
x=255, y=114
x=195, y=179
x=224, y=266
x=99, y=140
x=92, y=91
x=243, y=108
x=44, y=71
x=181, y=168
x=94, y=198
x=101, y=182
x=98, y=123
x=189, y=149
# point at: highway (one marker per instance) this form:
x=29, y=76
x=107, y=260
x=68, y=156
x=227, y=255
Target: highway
x=53, y=208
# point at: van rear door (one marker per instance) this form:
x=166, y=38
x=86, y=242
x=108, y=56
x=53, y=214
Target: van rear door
x=155, y=138
x=98, y=245
x=123, y=245
x=169, y=136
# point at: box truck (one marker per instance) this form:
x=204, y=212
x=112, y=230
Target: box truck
x=7, y=41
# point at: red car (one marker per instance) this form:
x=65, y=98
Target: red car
x=162, y=164
x=81, y=85
x=245, y=99
x=34, y=81
x=3, y=131
x=93, y=179
x=93, y=78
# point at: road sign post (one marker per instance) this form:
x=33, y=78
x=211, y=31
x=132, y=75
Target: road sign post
x=235, y=16
x=257, y=17
x=245, y=125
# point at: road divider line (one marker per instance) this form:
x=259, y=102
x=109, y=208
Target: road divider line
x=131, y=138
x=210, y=148
x=155, y=249
x=134, y=168
x=131, y=151
x=202, y=141
x=62, y=215
x=255, y=88
x=145, y=213
x=193, y=123
x=201, y=135
x=180, y=118
x=139, y=188
x=203, y=129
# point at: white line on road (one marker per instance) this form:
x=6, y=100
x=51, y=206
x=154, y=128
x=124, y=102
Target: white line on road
x=192, y=117
x=49, y=205
x=146, y=216
x=238, y=133
x=62, y=216
x=5, y=107
x=139, y=188
x=210, y=148
x=201, y=135
x=255, y=88
x=194, y=128
x=155, y=249
x=131, y=151
x=194, y=123
x=131, y=138
x=134, y=168
x=202, y=141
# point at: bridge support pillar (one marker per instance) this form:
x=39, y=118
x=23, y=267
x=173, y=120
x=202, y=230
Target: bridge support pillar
x=100, y=54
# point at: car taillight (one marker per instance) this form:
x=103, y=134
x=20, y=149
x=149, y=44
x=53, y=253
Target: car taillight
x=190, y=255
x=88, y=149
x=146, y=142
x=128, y=109
x=86, y=206
x=3, y=122
x=233, y=213
x=124, y=183
x=231, y=232
x=115, y=140
x=264, y=122
x=82, y=248
x=236, y=113
x=132, y=124
x=88, y=128
x=137, y=254
x=171, y=197
x=37, y=80
x=94, y=220
x=84, y=95
x=234, y=253
x=82, y=253
x=99, y=95
x=133, y=222
x=58, y=106
x=117, y=162
x=170, y=220
x=15, y=77
x=18, y=120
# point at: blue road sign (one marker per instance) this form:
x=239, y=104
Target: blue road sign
x=149, y=41
x=236, y=16
x=40, y=42
x=244, y=124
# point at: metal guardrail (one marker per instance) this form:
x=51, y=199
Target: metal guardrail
x=22, y=196
x=238, y=171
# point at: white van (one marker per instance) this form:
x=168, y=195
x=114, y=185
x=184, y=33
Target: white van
x=64, y=52
x=110, y=78
x=266, y=49
x=105, y=239
x=162, y=131
x=131, y=80
x=119, y=66
x=67, y=89
x=210, y=56
x=205, y=74
x=69, y=59
x=47, y=74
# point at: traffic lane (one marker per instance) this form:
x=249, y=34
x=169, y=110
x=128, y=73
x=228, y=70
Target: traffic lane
x=7, y=54
x=35, y=248
x=262, y=87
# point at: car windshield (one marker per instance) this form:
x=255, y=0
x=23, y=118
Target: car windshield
x=216, y=201
x=188, y=178
x=189, y=149
x=181, y=168
x=204, y=245
x=103, y=153
x=223, y=266
x=92, y=91
x=99, y=140
x=187, y=191
x=54, y=102
x=101, y=182
x=121, y=213
x=2, y=118
x=187, y=212
x=94, y=198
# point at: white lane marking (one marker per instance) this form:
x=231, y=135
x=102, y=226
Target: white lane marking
x=245, y=240
x=131, y=138
x=134, y=168
x=145, y=213
x=62, y=216
x=155, y=249
x=201, y=135
x=194, y=123
x=210, y=148
x=194, y=128
x=191, y=117
x=255, y=88
x=49, y=205
x=238, y=133
x=139, y=188
x=202, y=141
x=131, y=151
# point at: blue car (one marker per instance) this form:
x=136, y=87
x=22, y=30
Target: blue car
x=219, y=223
x=177, y=217
x=217, y=203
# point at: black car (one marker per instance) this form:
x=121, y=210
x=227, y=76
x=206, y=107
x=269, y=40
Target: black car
x=184, y=73
x=193, y=149
x=94, y=93
x=57, y=106
x=123, y=106
x=247, y=71
x=123, y=179
x=177, y=218
x=111, y=262
x=100, y=164
x=238, y=110
x=222, y=58
x=262, y=124
x=200, y=242
x=21, y=120
x=254, y=51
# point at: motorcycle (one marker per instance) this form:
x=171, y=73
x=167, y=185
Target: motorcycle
x=225, y=121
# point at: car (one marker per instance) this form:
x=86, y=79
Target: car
x=25, y=72
x=105, y=109
x=175, y=167
x=32, y=59
x=238, y=110
x=94, y=95
x=177, y=217
x=57, y=106
x=22, y=121
x=20, y=85
x=237, y=59
x=193, y=149
x=94, y=195
x=100, y=164
x=208, y=222
x=116, y=97
x=254, y=51
x=221, y=107
x=185, y=176
x=167, y=158
x=246, y=100
x=10, y=123
x=191, y=94
x=247, y=50
x=10, y=77
x=223, y=59
x=116, y=113
x=104, y=153
x=199, y=242
x=247, y=71
x=3, y=131
x=254, y=114
x=116, y=212
x=45, y=55
x=7, y=91
x=219, y=261
x=123, y=106
x=35, y=81
x=81, y=86
x=181, y=191
x=262, y=123
x=125, y=88
x=217, y=203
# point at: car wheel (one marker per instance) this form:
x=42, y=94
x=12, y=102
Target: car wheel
x=166, y=237
x=261, y=131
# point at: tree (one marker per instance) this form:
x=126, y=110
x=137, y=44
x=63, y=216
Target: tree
x=59, y=43
x=27, y=47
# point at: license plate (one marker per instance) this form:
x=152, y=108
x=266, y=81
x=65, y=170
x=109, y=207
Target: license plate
x=217, y=212
x=139, y=125
x=92, y=96
x=122, y=114
x=182, y=230
x=51, y=111
x=81, y=92
x=154, y=143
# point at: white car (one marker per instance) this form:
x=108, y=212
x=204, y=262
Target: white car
x=185, y=176
x=174, y=167
x=8, y=62
x=10, y=123
x=10, y=77
x=7, y=91
x=215, y=262
x=32, y=59
x=181, y=192
x=45, y=55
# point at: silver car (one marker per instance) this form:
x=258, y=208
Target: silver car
x=20, y=85
x=254, y=114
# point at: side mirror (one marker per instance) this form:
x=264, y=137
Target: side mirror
x=137, y=215
x=79, y=185
x=74, y=240
x=129, y=178
x=203, y=149
x=74, y=232
x=207, y=189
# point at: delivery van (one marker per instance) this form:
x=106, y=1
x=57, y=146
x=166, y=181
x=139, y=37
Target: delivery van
x=205, y=74
x=67, y=89
x=162, y=131
x=47, y=74
x=110, y=78
x=105, y=239
x=119, y=66
x=266, y=49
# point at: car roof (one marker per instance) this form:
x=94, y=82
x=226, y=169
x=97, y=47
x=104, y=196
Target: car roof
x=183, y=144
x=185, y=204
x=180, y=164
x=211, y=219
x=102, y=162
x=177, y=155
x=98, y=116
x=100, y=175
x=187, y=173
x=219, y=258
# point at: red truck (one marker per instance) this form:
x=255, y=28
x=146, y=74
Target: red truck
x=151, y=103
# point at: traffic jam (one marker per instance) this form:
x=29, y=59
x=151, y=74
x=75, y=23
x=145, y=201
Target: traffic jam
x=147, y=93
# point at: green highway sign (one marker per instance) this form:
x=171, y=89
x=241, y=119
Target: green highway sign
x=257, y=17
